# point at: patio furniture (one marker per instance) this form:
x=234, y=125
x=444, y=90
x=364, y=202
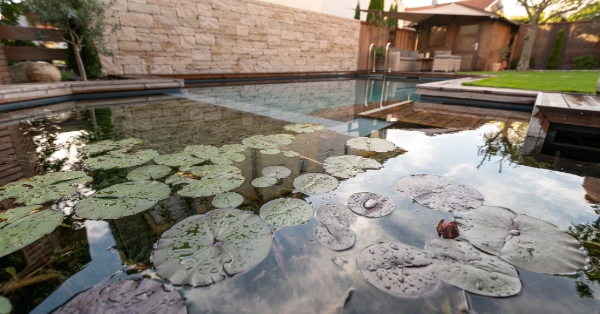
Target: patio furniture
x=444, y=61
x=404, y=60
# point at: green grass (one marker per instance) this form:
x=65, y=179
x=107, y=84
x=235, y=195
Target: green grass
x=558, y=81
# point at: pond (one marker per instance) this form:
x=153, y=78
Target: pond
x=279, y=265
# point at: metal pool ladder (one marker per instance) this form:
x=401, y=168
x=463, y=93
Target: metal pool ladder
x=372, y=54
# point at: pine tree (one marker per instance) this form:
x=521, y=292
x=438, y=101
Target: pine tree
x=554, y=59
x=357, y=12
x=393, y=22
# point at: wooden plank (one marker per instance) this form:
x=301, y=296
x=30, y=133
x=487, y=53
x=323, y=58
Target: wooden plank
x=589, y=118
x=553, y=100
x=386, y=107
x=527, y=100
x=463, y=122
x=10, y=171
x=33, y=53
x=438, y=120
x=12, y=178
x=582, y=102
x=29, y=33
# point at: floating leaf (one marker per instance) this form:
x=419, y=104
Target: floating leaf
x=303, y=127
x=315, y=183
x=214, y=179
x=441, y=193
x=5, y=306
x=151, y=172
x=227, y=158
x=14, y=214
x=263, y=182
x=118, y=159
x=286, y=212
x=335, y=236
x=270, y=151
x=336, y=213
x=278, y=172
x=202, y=151
x=104, y=146
x=233, y=148
x=126, y=296
x=370, y=204
x=398, y=269
x=28, y=229
x=43, y=188
x=291, y=154
x=181, y=178
x=521, y=240
x=371, y=144
x=228, y=200
x=348, y=166
x=268, y=141
x=196, y=250
x=122, y=200
x=178, y=160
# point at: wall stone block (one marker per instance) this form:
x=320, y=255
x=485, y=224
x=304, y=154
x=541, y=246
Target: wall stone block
x=135, y=19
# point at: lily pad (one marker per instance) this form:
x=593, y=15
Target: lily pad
x=270, y=151
x=335, y=236
x=268, y=141
x=199, y=249
x=371, y=144
x=126, y=296
x=181, y=178
x=370, y=204
x=178, y=160
x=104, y=146
x=286, y=212
x=5, y=306
x=214, y=179
x=336, y=213
x=227, y=158
x=398, y=269
x=202, y=151
x=118, y=159
x=315, y=183
x=303, y=127
x=14, y=214
x=122, y=200
x=277, y=172
x=291, y=154
x=228, y=200
x=151, y=172
x=28, y=229
x=521, y=240
x=263, y=182
x=441, y=193
x=349, y=166
x=233, y=148
x=461, y=265
x=43, y=188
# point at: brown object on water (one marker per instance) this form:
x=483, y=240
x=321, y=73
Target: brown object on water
x=448, y=230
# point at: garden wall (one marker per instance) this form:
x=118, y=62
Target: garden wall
x=228, y=36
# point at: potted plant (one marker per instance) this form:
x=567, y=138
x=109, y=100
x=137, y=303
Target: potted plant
x=379, y=58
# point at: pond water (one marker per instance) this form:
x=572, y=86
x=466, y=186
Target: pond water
x=477, y=147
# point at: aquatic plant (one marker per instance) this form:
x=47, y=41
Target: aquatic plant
x=336, y=213
x=371, y=144
x=370, y=204
x=315, y=183
x=270, y=151
x=151, y=172
x=233, y=148
x=349, y=166
x=227, y=200
x=27, y=229
x=263, y=182
x=286, y=212
x=291, y=154
x=178, y=160
x=202, y=151
x=227, y=158
x=14, y=214
x=43, y=188
x=268, y=141
x=213, y=179
x=108, y=145
x=277, y=172
x=303, y=127
x=118, y=159
x=335, y=236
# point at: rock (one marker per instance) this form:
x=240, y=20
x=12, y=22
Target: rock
x=18, y=72
x=42, y=72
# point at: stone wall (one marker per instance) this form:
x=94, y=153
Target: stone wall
x=227, y=36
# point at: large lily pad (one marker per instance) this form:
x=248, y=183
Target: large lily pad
x=349, y=166
x=233, y=148
x=286, y=212
x=268, y=141
x=335, y=236
x=118, y=159
x=228, y=200
x=277, y=172
x=178, y=160
x=461, y=265
x=43, y=188
x=202, y=151
x=398, y=269
x=263, y=182
x=181, y=178
x=151, y=172
x=214, y=179
x=270, y=151
x=521, y=240
x=291, y=154
x=441, y=193
x=14, y=214
x=126, y=296
x=315, y=183
x=371, y=144
x=370, y=204
x=108, y=145
x=227, y=158
x=336, y=213
x=303, y=127
x=122, y=200
x=196, y=250
x=28, y=229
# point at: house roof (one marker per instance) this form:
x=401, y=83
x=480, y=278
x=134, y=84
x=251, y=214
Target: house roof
x=477, y=4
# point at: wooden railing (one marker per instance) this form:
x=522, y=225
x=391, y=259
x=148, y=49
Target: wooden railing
x=32, y=53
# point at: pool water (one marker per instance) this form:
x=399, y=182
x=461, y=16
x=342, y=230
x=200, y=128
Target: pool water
x=477, y=147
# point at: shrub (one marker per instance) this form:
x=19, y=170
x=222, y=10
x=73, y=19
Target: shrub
x=554, y=59
x=584, y=62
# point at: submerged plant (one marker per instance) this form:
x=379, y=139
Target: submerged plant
x=286, y=212
x=370, y=204
x=43, y=188
x=349, y=166
x=315, y=183
x=5, y=306
x=27, y=229
x=371, y=144
x=118, y=159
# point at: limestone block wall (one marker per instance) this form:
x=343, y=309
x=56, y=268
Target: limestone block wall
x=227, y=36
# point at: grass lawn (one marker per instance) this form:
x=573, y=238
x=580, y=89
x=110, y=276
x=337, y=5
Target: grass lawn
x=559, y=81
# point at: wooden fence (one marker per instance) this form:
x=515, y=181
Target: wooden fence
x=380, y=36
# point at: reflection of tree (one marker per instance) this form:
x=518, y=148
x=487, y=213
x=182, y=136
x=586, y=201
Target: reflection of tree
x=589, y=237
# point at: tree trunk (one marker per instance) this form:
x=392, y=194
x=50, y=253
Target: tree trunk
x=527, y=47
x=80, y=63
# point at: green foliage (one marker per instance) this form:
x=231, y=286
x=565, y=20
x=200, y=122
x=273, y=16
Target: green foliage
x=375, y=18
x=559, y=81
x=67, y=75
x=589, y=12
x=10, y=12
x=554, y=59
x=357, y=12
x=380, y=51
x=584, y=62
x=89, y=56
x=393, y=22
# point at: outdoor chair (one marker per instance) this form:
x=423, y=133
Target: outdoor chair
x=444, y=61
x=404, y=60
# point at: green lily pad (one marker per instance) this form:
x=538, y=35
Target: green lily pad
x=263, y=182
x=108, y=145
x=117, y=159
x=233, y=148
x=43, y=188
x=270, y=151
x=203, y=249
x=315, y=183
x=268, y=141
x=14, y=214
x=336, y=213
x=277, y=172
x=5, y=306
x=202, y=151
x=28, y=229
x=122, y=200
x=214, y=179
x=151, y=172
x=349, y=166
x=291, y=154
x=335, y=237
x=178, y=160
x=370, y=204
x=303, y=127
x=181, y=178
x=371, y=144
x=228, y=200
x=286, y=212
x=227, y=158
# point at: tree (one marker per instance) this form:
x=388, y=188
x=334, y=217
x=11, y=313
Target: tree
x=540, y=12
x=375, y=18
x=393, y=22
x=357, y=12
x=76, y=20
x=589, y=12
x=554, y=59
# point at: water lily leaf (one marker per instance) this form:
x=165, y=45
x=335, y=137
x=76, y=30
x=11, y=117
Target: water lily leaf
x=270, y=151
x=124, y=199
x=227, y=158
x=398, y=269
x=268, y=141
x=461, y=265
x=151, y=172
x=441, y=193
x=108, y=145
x=178, y=160
x=14, y=214
x=349, y=166
x=43, y=188
x=202, y=151
x=291, y=154
x=371, y=144
x=5, y=306
x=117, y=159
x=278, y=172
x=336, y=213
x=126, y=296
x=303, y=127
x=228, y=200
x=315, y=183
x=286, y=212
x=370, y=204
x=233, y=148
x=28, y=229
x=521, y=240
x=196, y=250
x=216, y=171
x=335, y=236
x=263, y=182
x=214, y=179
x=181, y=178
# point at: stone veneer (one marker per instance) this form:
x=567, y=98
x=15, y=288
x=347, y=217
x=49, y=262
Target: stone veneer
x=227, y=36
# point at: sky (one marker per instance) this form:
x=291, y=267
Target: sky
x=511, y=7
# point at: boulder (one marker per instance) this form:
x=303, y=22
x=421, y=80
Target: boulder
x=42, y=72
x=18, y=72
